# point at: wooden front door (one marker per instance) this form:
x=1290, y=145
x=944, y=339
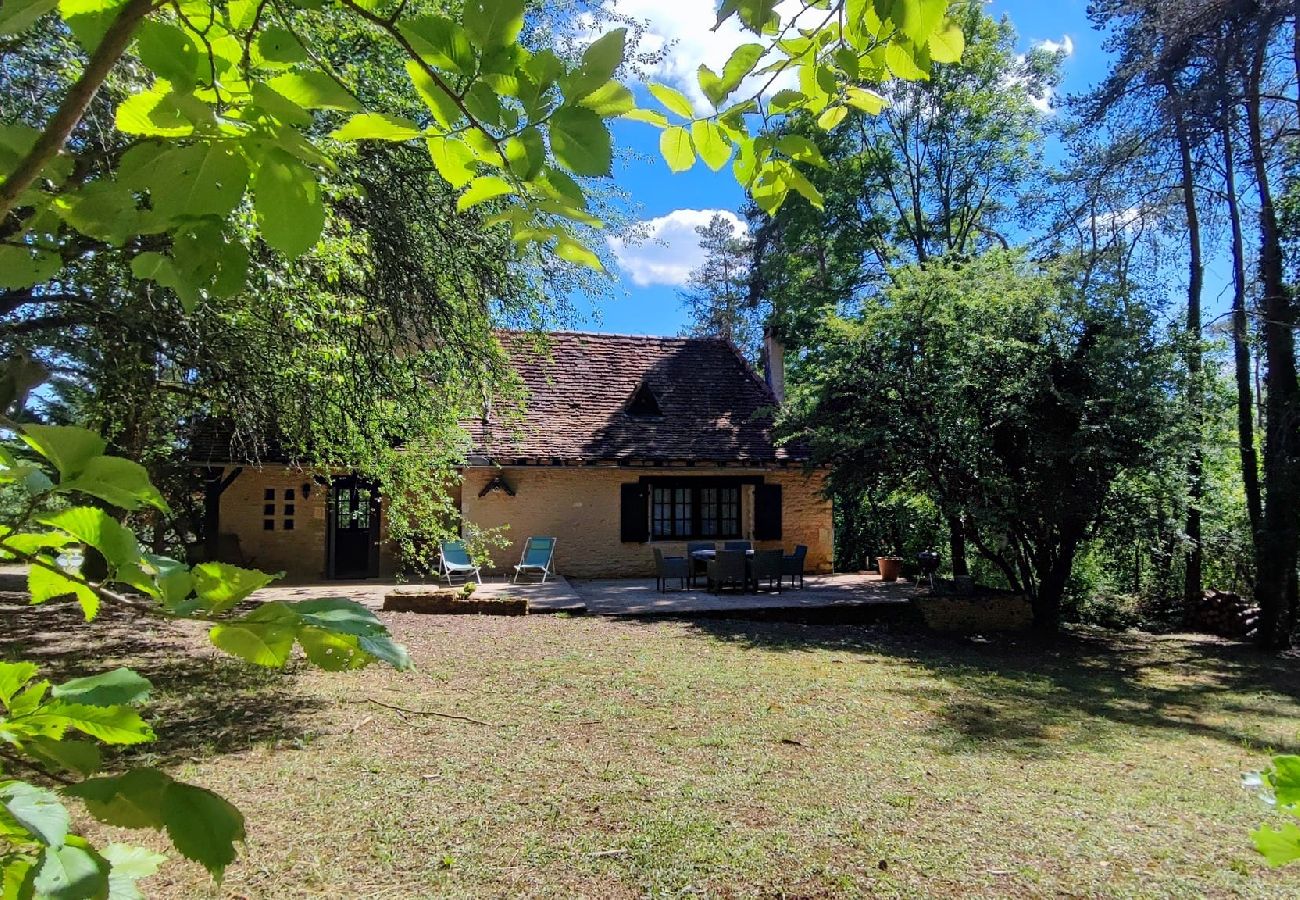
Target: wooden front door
x=353, y=528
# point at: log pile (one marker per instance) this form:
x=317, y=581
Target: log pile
x=1224, y=614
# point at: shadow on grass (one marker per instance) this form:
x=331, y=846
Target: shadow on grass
x=203, y=702
x=1026, y=695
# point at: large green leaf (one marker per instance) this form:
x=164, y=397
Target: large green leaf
x=98, y=529
x=68, y=447
x=44, y=584
x=445, y=110
x=13, y=675
x=129, y=865
x=710, y=143
x=581, y=142
x=72, y=872
x=482, y=189
x=111, y=724
x=333, y=652
x=202, y=826
x=313, y=90
x=22, y=267
x=220, y=586
x=287, y=201
x=440, y=42
x=599, y=63
x=170, y=52
x=89, y=19
x=377, y=127
x=453, y=159
x=107, y=689
x=131, y=800
x=121, y=482
x=277, y=47
x=262, y=643
x=492, y=23
x=205, y=179
x=1278, y=845
x=673, y=99
x=81, y=757
x=676, y=147
x=153, y=113
x=610, y=99
x=1284, y=779
x=38, y=810
x=19, y=15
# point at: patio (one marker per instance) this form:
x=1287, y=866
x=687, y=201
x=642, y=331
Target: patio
x=638, y=597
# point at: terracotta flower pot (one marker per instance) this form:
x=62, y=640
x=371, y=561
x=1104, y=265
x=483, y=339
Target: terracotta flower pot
x=890, y=567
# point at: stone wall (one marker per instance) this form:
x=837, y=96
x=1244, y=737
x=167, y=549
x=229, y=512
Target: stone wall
x=298, y=552
x=975, y=614
x=581, y=508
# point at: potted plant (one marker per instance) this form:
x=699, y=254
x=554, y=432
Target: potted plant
x=891, y=567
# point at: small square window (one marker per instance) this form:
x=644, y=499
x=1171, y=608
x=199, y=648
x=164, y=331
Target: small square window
x=288, y=494
x=268, y=524
x=288, y=524
x=268, y=494
x=288, y=509
x=268, y=509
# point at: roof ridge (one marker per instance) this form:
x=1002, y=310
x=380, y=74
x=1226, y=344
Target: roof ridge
x=685, y=339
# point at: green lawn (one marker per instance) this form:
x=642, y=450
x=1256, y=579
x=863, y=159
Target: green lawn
x=724, y=758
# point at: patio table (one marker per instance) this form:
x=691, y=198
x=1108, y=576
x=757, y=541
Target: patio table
x=706, y=555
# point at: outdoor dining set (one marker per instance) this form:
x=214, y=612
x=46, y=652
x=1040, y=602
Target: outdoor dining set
x=737, y=565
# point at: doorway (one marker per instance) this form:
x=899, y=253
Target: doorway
x=353, y=528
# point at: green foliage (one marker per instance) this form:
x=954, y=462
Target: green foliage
x=1280, y=785
x=232, y=101
x=41, y=721
x=998, y=391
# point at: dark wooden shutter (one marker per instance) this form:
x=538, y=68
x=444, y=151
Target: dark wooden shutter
x=767, y=512
x=635, y=518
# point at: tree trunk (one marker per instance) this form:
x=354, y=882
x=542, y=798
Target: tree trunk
x=1279, y=538
x=1053, y=576
x=957, y=546
x=1241, y=335
x=1194, y=563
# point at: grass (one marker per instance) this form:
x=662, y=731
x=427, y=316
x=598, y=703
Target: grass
x=608, y=758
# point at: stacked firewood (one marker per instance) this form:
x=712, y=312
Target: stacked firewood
x=1224, y=614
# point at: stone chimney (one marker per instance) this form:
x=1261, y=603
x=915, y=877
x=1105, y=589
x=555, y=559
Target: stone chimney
x=774, y=364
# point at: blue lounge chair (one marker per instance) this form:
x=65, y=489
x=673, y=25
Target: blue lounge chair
x=537, y=558
x=453, y=560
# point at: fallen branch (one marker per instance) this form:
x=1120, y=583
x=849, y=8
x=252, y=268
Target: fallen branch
x=432, y=712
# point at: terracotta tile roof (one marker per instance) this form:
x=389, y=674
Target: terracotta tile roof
x=715, y=407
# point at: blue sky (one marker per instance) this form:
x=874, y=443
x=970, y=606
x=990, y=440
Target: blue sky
x=644, y=298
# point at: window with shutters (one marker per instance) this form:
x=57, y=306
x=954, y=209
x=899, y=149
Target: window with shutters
x=688, y=512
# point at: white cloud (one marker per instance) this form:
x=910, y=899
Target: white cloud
x=666, y=249
x=685, y=28
x=1064, y=47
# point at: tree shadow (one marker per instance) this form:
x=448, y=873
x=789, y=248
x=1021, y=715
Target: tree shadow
x=202, y=703
x=1024, y=695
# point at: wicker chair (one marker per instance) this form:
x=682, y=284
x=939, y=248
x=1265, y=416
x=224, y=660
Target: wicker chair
x=793, y=565
x=728, y=568
x=738, y=545
x=667, y=567
x=698, y=566
x=767, y=566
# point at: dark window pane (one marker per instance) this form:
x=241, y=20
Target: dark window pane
x=268, y=524
x=288, y=524
x=268, y=494
x=288, y=509
x=288, y=493
x=268, y=509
